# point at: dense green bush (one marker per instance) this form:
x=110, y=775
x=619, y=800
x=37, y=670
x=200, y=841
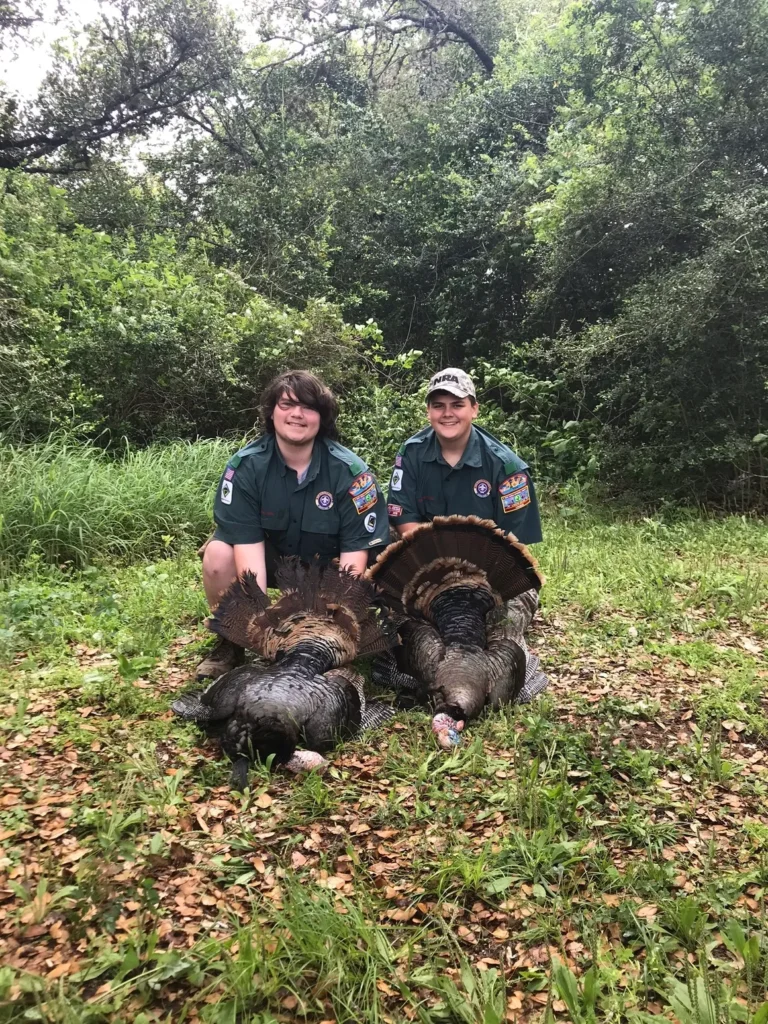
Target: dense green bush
x=139, y=340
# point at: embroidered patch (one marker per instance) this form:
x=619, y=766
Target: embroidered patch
x=394, y=510
x=398, y=461
x=226, y=493
x=229, y=473
x=396, y=482
x=360, y=484
x=324, y=500
x=482, y=488
x=512, y=483
x=370, y=522
x=516, y=500
x=366, y=500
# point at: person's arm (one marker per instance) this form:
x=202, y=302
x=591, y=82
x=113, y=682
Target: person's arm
x=252, y=558
x=355, y=561
x=404, y=529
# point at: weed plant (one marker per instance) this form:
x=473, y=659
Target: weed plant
x=71, y=502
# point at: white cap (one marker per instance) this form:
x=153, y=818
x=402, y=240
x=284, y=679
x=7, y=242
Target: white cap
x=455, y=381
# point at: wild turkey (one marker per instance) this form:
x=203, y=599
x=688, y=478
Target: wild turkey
x=451, y=578
x=322, y=621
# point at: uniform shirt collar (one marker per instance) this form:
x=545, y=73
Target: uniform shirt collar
x=314, y=465
x=472, y=454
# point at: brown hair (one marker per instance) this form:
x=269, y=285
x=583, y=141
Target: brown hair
x=310, y=391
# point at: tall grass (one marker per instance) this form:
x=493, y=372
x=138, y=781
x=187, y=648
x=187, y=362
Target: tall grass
x=68, y=501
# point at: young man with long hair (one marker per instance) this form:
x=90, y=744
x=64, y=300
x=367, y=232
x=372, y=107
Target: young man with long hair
x=293, y=491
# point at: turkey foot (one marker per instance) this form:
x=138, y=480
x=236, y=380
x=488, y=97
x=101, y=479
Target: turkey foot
x=306, y=761
x=446, y=730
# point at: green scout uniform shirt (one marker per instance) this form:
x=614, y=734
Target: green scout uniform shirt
x=337, y=507
x=488, y=481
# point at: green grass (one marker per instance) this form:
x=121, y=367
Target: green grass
x=601, y=855
x=72, y=502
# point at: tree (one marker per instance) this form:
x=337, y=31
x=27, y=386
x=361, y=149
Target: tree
x=129, y=76
x=386, y=33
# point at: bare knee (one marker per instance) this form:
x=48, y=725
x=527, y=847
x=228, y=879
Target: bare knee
x=218, y=570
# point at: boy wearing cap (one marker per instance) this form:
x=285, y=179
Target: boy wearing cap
x=453, y=467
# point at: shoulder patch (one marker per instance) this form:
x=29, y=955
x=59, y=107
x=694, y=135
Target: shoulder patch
x=362, y=483
x=365, y=500
x=394, y=510
x=516, y=500
x=512, y=483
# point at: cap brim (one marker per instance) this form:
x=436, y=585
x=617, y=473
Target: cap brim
x=452, y=389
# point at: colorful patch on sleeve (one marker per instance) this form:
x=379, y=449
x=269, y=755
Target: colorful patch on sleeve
x=361, y=484
x=229, y=473
x=394, y=510
x=324, y=500
x=365, y=501
x=513, y=483
x=516, y=500
x=482, y=488
x=396, y=483
x=398, y=461
x=226, y=493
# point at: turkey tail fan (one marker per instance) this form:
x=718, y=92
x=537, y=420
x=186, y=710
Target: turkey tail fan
x=459, y=543
x=240, y=615
x=378, y=633
x=315, y=588
x=317, y=600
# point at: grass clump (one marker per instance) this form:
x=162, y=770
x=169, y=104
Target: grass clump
x=70, y=502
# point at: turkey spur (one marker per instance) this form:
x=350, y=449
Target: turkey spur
x=320, y=623
x=461, y=649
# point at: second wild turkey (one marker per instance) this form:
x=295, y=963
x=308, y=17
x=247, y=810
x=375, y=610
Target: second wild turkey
x=307, y=698
x=460, y=652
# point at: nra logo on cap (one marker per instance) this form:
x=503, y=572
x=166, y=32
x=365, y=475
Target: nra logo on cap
x=454, y=381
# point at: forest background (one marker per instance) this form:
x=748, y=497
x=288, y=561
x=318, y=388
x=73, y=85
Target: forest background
x=569, y=199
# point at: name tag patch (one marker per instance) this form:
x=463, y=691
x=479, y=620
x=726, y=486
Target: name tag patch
x=517, y=499
x=513, y=483
x=394, y=510
x=396, y=482
x=366, y=500
x=482, y=488
x=324, y=500
x=360, y=484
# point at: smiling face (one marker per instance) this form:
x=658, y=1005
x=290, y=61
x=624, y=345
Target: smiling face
x=451, y=417
x=295, y=424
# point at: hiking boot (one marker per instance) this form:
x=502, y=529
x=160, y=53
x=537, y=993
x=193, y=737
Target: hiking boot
x=223, y=658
